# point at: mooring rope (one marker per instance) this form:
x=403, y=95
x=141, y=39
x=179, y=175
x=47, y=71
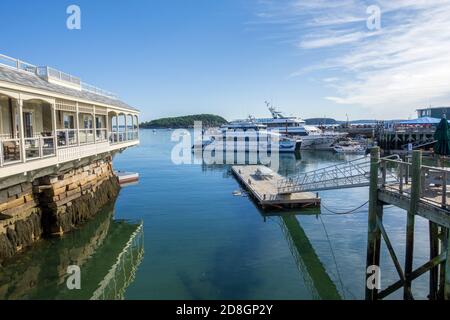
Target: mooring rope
x=334, y=258
x=345, y=212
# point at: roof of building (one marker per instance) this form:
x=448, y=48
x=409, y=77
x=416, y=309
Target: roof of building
x=32, y=80
x=423, y=120
x=431, y=108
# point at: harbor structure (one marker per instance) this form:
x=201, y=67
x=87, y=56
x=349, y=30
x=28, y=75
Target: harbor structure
x=433, y=112
x=58, y=136
x=262, y=183
x=399, y=136
x=408, y=184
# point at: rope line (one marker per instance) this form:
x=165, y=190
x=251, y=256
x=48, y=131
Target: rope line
x=345, y=212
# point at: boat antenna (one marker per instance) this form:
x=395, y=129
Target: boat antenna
x=275, y=114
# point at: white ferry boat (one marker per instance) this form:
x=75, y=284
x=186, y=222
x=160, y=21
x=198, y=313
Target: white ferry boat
x=247, y=136
x=311, y=136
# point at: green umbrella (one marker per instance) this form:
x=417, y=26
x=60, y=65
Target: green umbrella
x=442, y=135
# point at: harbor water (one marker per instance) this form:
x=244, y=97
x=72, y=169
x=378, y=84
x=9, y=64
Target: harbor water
x=199, y=239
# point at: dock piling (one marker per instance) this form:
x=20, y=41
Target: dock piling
x=416, y=189
x=375, y=210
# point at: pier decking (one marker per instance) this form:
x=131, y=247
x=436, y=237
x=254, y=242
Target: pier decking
x=262, y=183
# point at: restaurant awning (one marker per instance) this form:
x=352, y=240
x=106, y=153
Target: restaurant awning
x=419, y=121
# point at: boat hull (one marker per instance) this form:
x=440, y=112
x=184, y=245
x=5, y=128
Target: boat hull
x=250, y=147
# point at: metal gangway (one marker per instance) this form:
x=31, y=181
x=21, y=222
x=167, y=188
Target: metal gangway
x=351, y=174
x=420, y=144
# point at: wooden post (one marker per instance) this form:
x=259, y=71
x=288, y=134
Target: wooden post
x=434, y=252
x=447, y=270
x=373, y=231
x=415, y=198
x=401, y=178
x=443, y=247
x=444, y=189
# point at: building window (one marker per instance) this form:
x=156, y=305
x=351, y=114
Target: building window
x=68, y=121
x=28, y=124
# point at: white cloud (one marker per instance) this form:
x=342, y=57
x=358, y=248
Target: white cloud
x=404, y=65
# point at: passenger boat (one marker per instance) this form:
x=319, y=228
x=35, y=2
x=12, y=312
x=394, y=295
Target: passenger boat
x=247, y=136
x=311, y=136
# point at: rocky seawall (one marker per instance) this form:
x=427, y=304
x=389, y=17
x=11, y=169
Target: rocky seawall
x=53, y=205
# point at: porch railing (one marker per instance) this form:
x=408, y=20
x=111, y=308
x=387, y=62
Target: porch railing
x=101, y=134
x=87, y=136
x=66, y=138
x=39, y=147
x=122, y=136
x=10, y=151
x=45, y=145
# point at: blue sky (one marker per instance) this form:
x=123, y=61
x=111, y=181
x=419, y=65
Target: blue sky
x=310, y=58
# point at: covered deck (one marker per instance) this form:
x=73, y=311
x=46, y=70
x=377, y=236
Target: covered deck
x=45, y=123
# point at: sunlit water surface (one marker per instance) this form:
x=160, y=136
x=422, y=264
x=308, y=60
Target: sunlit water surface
x=202, y=242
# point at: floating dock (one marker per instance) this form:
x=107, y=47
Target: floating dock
x=262, y=182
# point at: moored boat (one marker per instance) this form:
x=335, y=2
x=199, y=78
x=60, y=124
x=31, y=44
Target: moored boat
x=248, y=136
x=312, y=137
x=126, y=177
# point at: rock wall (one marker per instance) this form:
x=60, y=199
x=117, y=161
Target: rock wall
x=53, y=205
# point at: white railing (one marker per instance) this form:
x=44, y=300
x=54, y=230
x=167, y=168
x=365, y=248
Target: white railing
x=58, y=75
x=63, y=144
x=122, y=136
x=9, y=152
x=93, y=89
x=46, y=72
x=66, y=137
x=39, y=147
x=87, y=136
x=101, y=134
x=17, y=64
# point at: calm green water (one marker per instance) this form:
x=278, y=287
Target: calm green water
x=202, y=242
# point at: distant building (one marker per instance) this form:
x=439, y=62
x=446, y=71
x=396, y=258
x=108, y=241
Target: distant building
x=435, y=112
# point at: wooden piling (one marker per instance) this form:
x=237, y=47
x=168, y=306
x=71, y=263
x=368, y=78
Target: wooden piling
x=447, y=268
x=434, y=252
x=410, y=222
x=375, y=210
x=443, y=247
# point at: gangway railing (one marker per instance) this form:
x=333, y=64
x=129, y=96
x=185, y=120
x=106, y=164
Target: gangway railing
x=419, y=144
x=351, y=174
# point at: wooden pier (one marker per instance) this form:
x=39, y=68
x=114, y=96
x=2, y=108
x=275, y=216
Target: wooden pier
x=421, y=191
x=262, y=183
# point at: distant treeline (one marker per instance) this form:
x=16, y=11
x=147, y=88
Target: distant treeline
x=208, y=120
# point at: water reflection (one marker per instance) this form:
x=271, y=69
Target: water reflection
x=315, y=276
x=107, y=251
x=289, y=163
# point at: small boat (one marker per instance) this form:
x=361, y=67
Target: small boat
x=349, y=147
x=127, y=177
